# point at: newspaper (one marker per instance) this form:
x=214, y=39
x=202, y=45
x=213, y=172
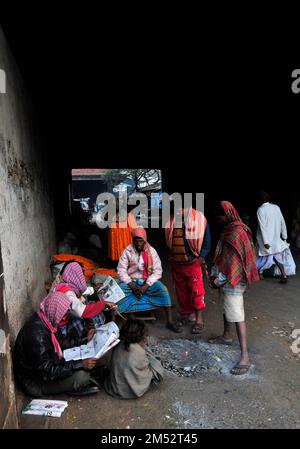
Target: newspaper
x=105, y=338
x=110, y=291
x=45, y=407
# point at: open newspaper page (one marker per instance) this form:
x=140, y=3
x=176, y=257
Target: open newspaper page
x=110, y=291
x=106, y=337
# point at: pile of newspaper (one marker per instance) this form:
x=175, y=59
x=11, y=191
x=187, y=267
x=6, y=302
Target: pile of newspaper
x=45, y=407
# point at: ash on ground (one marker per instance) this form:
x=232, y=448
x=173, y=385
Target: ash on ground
x=191, y=357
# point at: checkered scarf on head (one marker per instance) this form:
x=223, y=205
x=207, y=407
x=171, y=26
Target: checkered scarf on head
x=52, y=309
x=235, y=255
x=73, y=278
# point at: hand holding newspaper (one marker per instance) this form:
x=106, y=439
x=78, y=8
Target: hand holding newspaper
x=106, y=337
x=110, y=291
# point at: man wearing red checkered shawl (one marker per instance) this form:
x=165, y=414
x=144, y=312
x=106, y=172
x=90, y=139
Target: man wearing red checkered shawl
x=235, y=255
x=234, y=269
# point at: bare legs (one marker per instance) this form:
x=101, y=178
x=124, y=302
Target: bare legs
x=282, y=271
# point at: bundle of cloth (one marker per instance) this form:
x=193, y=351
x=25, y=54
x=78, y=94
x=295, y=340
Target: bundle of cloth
x=90, y=268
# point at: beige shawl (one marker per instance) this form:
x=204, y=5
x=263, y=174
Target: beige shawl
x=132, y=372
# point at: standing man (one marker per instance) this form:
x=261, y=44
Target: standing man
x=234, y=270
x=271, y=237
x=188, y=239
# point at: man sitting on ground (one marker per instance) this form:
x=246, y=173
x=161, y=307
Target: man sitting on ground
x=38, y=358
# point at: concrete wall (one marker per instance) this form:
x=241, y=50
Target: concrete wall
x=27, y=229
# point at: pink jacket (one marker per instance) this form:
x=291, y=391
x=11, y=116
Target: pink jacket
x=131, y=266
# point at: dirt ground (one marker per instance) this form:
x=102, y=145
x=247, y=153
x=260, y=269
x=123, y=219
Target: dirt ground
x=266, y=397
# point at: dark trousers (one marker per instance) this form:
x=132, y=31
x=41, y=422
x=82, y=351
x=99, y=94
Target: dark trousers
x=78, y=379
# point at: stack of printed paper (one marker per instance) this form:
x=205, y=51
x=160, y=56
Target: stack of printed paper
x=45, y=407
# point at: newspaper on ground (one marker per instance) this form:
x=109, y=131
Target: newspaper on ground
x=45, y=407
x=105, y=338
x=110, y=291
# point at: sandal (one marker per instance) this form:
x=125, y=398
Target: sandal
x=174, y=327
x=197, y=328
x=220, y=340
x=239, y=370
x=283, y=280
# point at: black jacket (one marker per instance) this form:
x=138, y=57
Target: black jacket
x=34, y=357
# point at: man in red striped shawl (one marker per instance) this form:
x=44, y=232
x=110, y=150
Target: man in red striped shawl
x=234, y=270
x=188, y=238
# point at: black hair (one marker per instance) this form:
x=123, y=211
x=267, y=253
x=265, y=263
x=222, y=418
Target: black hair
x=133, y=331
x=264, y=196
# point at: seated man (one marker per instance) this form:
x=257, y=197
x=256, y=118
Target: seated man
x=133, y=366
x=38, y=360
x=139, y=270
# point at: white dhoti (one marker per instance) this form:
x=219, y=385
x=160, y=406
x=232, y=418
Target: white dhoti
x=272, y=232
x=285, y=258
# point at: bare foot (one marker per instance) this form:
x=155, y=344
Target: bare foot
x=192, y=317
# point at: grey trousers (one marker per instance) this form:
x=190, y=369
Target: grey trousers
x=78, y=379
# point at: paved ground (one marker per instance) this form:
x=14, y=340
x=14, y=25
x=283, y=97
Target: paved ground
x=267, y=397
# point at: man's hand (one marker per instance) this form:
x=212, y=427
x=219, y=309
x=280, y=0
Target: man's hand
x=133, y=286
x=136, y=289
x=267, y=246
x=202, y=261
x=211, y=281
x=138, y=294
x=89, y=364
x=89, y=324
x=90, y=334
x=144, y=288
x=110, y=305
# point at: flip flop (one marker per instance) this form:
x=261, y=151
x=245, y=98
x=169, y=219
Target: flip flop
x=220, y=341
x=197, y=328
x=283, y=280
x=243, y=369
x=174, y=327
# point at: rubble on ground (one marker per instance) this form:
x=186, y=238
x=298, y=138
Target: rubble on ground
x=191, y=357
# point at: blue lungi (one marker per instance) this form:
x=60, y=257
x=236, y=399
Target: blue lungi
x=156, y=296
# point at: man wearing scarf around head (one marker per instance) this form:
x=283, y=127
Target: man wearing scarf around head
x=188, y=239
x=139, y=270
x=234, y=270
x=71, y=282
x=39, y=365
